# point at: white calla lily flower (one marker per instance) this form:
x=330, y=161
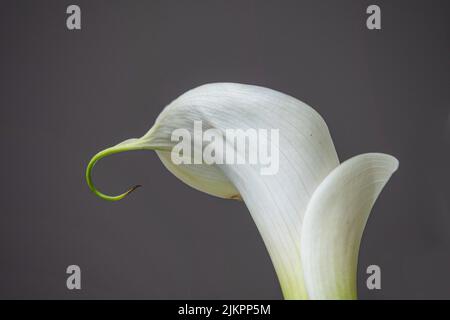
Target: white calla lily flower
x=310, y=213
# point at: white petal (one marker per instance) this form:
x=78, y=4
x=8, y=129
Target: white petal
x=334, y=223
x=276, y=202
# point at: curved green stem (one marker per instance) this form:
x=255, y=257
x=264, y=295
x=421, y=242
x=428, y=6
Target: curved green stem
x=97, y=157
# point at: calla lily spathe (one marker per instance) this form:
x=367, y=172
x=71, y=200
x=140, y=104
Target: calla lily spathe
x=311, y=214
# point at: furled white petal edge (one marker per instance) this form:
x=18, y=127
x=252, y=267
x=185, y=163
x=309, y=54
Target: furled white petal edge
x=277, y=203
x=334, y=223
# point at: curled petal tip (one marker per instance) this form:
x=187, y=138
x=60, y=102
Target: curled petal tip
x=127, y=145
x=134, y=188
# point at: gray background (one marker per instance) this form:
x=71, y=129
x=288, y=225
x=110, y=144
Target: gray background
x=67, y=94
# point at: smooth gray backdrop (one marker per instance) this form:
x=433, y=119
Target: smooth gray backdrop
x=65, y=95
